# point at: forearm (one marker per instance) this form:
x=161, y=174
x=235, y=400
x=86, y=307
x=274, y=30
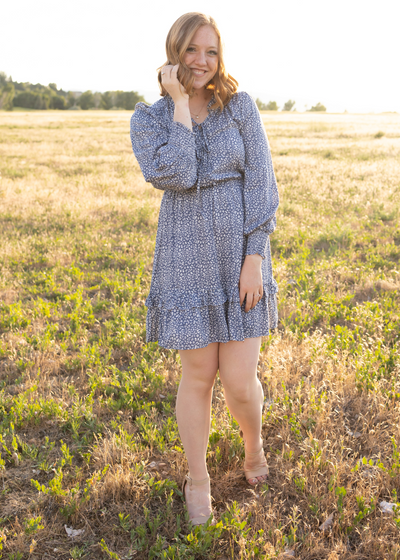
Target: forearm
x=182, y=113
x=255, y=258
x=167, y=156
x=257, y=242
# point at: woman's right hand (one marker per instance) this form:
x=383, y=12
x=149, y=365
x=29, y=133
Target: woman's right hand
x=169, y=80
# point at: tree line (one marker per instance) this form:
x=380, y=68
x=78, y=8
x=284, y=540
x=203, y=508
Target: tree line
x=288, y=106
x=37, y=96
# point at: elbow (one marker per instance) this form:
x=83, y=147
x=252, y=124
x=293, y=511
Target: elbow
x=190, y=181
x=271, y=226
x=182, y=175
x=173, y=181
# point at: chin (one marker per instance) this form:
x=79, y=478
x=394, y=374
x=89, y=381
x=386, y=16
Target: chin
x=197, y=84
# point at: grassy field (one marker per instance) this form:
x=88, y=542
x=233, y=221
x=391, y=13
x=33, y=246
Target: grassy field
x=88, y=435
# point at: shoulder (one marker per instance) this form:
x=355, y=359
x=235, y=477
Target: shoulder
x=149, y=114
x=242, y=105
x=242, y=99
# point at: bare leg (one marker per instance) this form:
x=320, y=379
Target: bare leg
x=193, y=414
x=243, y=391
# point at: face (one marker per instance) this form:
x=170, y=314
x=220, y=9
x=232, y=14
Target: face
x=202, y=55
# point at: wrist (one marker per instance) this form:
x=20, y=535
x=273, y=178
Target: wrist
x=181, y=103
x=256, y=257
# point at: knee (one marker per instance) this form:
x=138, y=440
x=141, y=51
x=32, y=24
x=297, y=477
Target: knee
x=199, y=370
x=239, y=395
x=241, y=391
x=202, y=387
x=200, y=382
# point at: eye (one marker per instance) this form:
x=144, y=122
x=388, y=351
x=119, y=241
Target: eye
x=213, y=52
x=190, y=49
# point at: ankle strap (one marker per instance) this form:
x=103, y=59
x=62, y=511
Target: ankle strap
x=255, y=452
x=196, y=482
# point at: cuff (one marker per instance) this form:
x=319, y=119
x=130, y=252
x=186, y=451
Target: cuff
x=182, y=136
x=256, y=243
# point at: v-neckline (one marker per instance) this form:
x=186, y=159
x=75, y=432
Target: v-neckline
x=208, y=106
x=172, y=105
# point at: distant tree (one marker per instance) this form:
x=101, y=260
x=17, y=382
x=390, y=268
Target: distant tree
x=38, y=96
x=25, y=99
x=127, y=99
x=120, y=100
x=71, y=100
x=3, y=79
x=318, y=107
x=261, y=106
x=97, y=99
x=36, y=100
x=57, y=102
x=272, y=106
x=106, y=101
x=288, y=106
x=86, y=100
x=42, y=101
x=7, y=96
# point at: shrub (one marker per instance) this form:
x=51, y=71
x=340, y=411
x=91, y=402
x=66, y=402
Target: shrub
x=318, y=107
x=261, y=106
x=270, y=106
x=120, y=99
x=289, y=105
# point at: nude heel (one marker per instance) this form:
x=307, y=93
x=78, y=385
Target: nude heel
x=201, y=517
x=259, y=470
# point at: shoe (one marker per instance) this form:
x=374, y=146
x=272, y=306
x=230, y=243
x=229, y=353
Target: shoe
x=202, y=513
x=261, y=469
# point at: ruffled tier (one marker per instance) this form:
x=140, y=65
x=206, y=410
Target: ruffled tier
x=198, y=319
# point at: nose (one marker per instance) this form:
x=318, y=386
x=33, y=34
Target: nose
x=201, y=58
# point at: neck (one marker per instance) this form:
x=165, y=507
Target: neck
x=201, y=94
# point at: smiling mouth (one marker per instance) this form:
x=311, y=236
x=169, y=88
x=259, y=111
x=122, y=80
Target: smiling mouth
x=198, y=72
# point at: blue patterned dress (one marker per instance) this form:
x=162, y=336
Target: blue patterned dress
x=219, y=204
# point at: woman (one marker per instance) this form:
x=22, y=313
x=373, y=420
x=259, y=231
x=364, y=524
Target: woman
x=212, y=294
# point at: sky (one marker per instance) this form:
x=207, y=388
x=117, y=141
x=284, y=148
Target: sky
x=343, y=53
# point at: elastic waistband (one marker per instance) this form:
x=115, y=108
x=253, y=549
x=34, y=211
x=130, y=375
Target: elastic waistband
x=217, y=184
x=230, y=183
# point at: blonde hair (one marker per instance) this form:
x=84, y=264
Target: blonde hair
x=178, y=39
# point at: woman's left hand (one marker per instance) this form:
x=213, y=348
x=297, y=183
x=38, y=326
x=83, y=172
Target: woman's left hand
x=250, y=281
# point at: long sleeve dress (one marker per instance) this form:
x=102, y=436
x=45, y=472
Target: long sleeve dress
x=219, y=205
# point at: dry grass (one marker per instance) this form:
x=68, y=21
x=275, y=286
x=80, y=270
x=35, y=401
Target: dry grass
x=87, y=408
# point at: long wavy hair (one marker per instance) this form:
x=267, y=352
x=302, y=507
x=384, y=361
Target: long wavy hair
x=178, y=39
